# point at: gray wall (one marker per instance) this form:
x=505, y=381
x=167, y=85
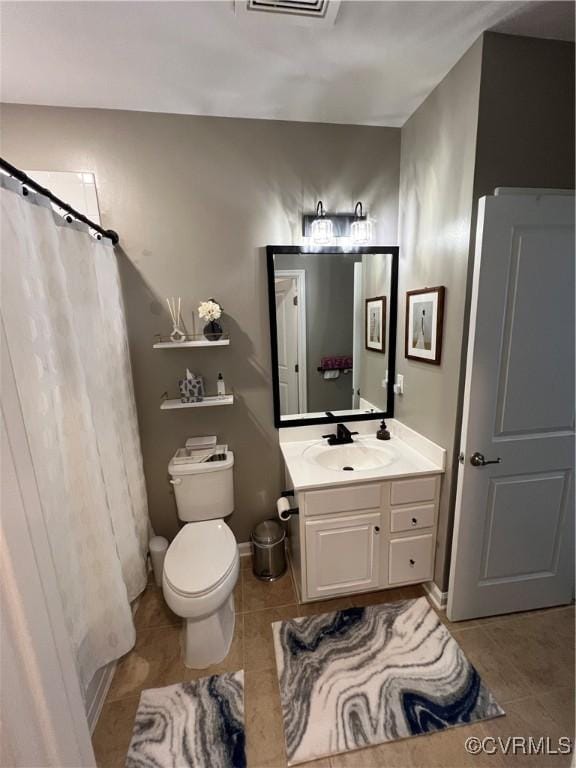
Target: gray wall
x=436, y=184
x=329, y=323
x=526, y=120
x=195, y=200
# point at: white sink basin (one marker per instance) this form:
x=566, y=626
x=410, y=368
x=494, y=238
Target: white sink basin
x=348, y=458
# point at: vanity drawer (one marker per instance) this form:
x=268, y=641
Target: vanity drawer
x=413, y=491
x=409, y=518
x=411, y=559
x=351, y=498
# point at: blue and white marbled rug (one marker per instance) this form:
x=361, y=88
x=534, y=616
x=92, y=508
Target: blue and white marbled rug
x=364, y=676
x=198, y=724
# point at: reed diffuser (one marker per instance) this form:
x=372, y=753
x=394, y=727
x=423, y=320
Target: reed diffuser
x=174, y=305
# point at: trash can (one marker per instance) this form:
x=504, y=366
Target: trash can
x=268, y=550
x=158, y=546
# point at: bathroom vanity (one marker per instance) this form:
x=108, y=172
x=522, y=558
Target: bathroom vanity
x=367, y=512
x=367, y=508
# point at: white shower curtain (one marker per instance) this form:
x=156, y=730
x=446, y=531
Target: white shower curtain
x=64, y=320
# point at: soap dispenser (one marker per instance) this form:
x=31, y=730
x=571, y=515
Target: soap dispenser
x=220, y=386
x=383, y=433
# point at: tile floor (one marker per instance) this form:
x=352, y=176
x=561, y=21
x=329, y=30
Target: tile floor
x=526, y=659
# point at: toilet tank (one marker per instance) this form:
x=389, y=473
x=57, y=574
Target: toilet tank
x=204, y=491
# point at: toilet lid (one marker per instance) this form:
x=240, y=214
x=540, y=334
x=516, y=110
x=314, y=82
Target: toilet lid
x=200, y=557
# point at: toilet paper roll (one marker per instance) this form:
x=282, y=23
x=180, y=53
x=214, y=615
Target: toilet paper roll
x=283, y=507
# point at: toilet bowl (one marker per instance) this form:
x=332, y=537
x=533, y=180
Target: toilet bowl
x=202, y=563
x=200, y=572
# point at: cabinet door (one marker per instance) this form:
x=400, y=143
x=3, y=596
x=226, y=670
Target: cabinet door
x=343, y=554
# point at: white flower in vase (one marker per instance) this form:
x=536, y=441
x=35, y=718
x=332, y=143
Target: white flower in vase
x=211, y=311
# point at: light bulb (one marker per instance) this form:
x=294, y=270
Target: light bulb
x=322, y=231
x=361, y=227
x=361, y=231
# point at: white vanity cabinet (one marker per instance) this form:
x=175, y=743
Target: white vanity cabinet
x=343, y=554
x=357, y=538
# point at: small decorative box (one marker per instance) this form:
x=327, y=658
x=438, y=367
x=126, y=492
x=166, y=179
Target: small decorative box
x=191, y=389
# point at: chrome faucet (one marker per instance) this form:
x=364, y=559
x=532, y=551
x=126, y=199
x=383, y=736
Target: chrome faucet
x=343, y=436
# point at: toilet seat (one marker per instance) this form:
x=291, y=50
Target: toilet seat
x=200, y=558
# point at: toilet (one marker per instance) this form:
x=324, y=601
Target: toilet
x=202, y=563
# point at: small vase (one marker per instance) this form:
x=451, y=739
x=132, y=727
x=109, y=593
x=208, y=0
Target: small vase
x=213, y=330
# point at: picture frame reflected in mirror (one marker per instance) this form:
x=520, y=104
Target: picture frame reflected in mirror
x=375, y=324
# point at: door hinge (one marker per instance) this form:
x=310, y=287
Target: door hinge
x=295, y=301
x=297, y=368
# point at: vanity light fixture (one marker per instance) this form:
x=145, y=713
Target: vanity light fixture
x=321, y=229
x=341, y=229
x=361, y=227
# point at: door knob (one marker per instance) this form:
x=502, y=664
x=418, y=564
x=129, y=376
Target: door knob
x=478, y=460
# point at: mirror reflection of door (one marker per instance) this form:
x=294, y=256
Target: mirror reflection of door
x=291, y=323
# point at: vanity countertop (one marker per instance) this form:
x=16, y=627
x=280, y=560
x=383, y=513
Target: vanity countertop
x=407, y=453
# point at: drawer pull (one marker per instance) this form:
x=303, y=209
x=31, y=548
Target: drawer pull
x=377, y=528
x=412, y=563
x=414, y=521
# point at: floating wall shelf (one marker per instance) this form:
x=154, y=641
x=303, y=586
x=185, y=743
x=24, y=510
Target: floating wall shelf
x=168, y=405
x=190, y=341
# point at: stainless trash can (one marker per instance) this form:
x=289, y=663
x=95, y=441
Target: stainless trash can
x=268, y=550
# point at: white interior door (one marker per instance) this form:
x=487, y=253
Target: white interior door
x=287, y=328
x=513, y=537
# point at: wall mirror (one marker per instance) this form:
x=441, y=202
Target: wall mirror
x=333, y=332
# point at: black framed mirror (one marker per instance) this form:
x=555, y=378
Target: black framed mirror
x=333, y=318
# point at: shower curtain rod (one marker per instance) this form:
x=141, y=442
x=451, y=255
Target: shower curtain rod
x=72, y=213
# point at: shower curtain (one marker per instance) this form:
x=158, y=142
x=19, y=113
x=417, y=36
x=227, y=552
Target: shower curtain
x=64, y=320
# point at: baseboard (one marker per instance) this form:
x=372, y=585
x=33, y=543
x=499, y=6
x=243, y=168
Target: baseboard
x=438, y=598
x=244, y=548
x=97, y=692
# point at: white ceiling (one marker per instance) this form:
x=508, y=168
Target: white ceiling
x=374, y=65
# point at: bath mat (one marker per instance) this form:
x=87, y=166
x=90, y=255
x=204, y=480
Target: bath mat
x=198, y=724
x=364, y=676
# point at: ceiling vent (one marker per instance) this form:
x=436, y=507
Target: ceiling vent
x=303, y=11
